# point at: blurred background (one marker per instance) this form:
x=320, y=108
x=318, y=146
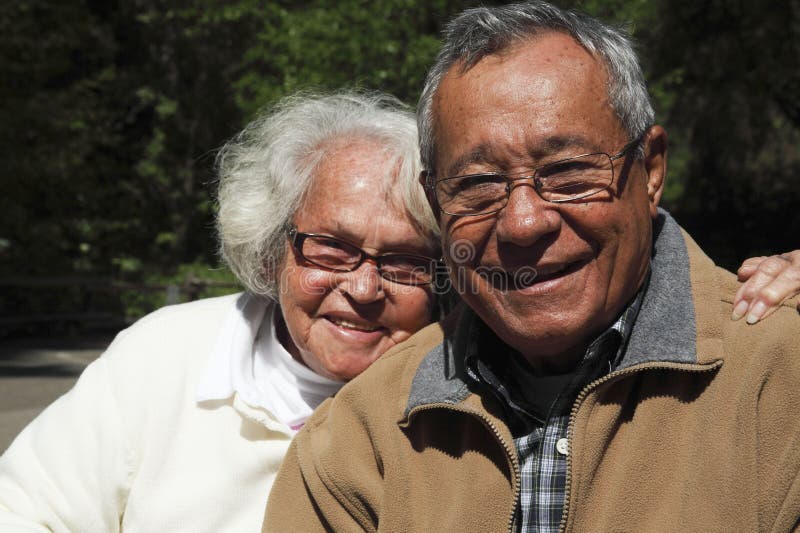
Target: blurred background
x=111, y=114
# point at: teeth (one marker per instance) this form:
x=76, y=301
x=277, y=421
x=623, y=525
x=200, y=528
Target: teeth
x=350, y=325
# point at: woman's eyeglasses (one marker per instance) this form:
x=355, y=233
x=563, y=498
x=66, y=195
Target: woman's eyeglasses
x=338, y=255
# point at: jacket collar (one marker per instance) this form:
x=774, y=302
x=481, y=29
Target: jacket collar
x=666, y=329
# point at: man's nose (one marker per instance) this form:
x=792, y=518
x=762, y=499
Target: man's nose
x=526, y=218
x=364, y=284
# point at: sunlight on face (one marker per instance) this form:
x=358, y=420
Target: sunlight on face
x=338, y=323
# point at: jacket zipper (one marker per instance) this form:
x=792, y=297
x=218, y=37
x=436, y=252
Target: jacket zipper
x=511, y=455
x=682, y=367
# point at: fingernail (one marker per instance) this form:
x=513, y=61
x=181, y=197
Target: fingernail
x=756, y=313
x=739, y=310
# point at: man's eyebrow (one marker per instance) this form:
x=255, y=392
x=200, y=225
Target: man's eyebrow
x=476, y=155
x=559, y=143
x=549, y=146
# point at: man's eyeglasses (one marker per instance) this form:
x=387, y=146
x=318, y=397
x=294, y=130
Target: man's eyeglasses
x=561, y=181
x=334, y=254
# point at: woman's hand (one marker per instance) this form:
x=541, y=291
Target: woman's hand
x=768, y=282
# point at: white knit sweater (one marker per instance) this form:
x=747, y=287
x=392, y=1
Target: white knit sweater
x=156, y=436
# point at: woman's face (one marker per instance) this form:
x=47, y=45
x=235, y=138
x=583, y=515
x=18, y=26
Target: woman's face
x=338, y=323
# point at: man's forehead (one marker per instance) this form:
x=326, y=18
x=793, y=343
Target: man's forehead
x=554, y=92
x=548, y=62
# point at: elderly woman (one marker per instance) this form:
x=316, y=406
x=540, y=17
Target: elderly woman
x=181, y=425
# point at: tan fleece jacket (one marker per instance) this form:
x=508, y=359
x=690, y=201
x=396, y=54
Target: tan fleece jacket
x=696, y=430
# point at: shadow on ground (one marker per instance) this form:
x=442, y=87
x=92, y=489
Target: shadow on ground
x=50, y=357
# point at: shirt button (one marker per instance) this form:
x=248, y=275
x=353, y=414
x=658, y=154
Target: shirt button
x=562, y=446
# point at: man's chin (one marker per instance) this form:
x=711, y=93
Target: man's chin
x=544, y=325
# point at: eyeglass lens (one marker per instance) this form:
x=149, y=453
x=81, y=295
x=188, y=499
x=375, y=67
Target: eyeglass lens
x=334, y=254
x=561, y=181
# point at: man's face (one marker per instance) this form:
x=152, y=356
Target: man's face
x=540, y=101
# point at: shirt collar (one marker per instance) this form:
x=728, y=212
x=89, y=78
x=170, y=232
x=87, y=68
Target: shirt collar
x=510, y=379
x=230, y=363
x=248, y=361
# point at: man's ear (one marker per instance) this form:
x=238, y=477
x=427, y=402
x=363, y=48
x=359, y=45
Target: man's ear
x=426, y=180
x=655, y=164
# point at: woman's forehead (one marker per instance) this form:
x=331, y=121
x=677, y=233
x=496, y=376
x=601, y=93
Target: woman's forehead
x=356, y=194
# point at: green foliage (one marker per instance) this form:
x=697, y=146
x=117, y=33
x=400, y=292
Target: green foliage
x=111, y=112
x=382, y=44
x=189, y=281
x=726, y=77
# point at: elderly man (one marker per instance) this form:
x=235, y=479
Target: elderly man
x=594, y=381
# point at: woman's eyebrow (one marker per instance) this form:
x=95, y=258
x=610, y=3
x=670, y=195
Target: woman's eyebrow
x=340, y=232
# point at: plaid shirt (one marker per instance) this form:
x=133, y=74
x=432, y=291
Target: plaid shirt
x=541, y=439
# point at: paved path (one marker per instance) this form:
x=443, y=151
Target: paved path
x=34, y=373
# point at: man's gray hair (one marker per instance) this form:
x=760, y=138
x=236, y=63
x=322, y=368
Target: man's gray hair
x=266, y=170
x=483, y=31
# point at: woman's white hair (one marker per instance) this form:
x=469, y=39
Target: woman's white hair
x=265, y=171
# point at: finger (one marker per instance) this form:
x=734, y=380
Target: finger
x=793, y=257
x=740, y=304
x=770, y=296
x=748, y=293
x=746, y=300
x=757, y=316
x=749, y=267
